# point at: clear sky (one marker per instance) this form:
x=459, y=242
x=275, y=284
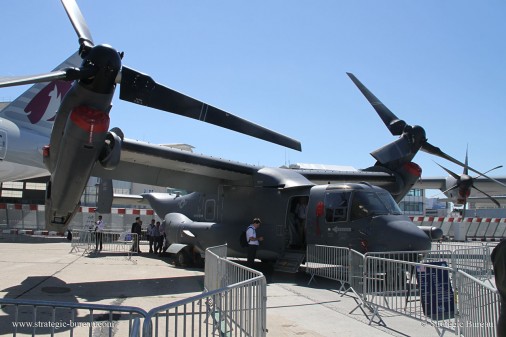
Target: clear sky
x=282, y=64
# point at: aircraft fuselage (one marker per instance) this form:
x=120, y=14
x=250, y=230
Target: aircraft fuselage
x=333, y=218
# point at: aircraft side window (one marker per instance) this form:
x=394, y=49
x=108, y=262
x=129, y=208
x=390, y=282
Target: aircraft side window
x=359, y=207
x=336, y=206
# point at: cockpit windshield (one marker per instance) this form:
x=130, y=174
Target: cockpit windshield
x=366, y=204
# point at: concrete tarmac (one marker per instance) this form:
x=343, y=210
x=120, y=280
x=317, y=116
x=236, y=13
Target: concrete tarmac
x=33, y=268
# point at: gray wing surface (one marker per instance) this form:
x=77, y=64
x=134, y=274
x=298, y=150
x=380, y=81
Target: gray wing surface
x=437, y=183
x=164, y=166
x=381, y=179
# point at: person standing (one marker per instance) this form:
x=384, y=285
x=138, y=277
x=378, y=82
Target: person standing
x=151, y=237
x=156, y=238
x=99, y=229
x=253, y=241
x=498, y=257
x=136, y=229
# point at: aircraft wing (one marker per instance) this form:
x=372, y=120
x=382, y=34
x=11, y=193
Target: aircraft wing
x=484, y=184
x=437, y=183
x=164, y=166
x=381, y=179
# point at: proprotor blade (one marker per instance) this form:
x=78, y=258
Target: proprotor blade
x=80, y=25
x=67, y=74
x=141, y=89
x=30, y=79
x=393, y=123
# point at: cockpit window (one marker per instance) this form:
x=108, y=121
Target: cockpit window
x=365, y=204
x=336, y=206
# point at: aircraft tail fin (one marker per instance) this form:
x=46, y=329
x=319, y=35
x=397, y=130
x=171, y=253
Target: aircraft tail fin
x=36, y=107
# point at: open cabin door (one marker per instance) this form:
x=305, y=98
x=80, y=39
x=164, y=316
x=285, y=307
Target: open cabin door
x=295, y=224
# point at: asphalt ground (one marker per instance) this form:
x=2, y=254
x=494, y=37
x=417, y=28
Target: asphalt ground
x=42, y=268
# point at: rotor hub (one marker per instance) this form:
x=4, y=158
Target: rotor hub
x=101, y=65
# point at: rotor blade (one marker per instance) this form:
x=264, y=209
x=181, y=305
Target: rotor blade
x=449, y=189
x=427, y=147
x=466, y=162
x=67, y=74
x=141, y=89
x=393, y=123
x=454, y=175
x=79, y=24
x=489, y=196
x=495, y=168
x=20, y=80
x=397, y=149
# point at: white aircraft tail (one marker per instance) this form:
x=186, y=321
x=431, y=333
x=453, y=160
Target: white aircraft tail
x=36, y=108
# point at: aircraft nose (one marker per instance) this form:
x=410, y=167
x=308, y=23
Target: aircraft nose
x=401, y=235
x=416, y=239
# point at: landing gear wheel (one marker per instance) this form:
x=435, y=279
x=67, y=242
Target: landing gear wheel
x=181, y=259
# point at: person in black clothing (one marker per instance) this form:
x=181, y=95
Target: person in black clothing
x=136, y=229
x=498, y=257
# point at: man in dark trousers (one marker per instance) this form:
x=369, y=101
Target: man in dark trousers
x=136, y=229
x=253, y=241
x=499, y=261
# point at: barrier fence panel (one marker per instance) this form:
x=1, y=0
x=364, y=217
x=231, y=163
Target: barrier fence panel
x=492, y=227
x=474, y=223
x=501, y=229
x=446, y=225
x=237, y=309
x=86, y=241
x=420, y=291
x=482, y=228
x=214, y=270
x=329, y=262
x=474, y=261
x=479, y=305
x=69, y=319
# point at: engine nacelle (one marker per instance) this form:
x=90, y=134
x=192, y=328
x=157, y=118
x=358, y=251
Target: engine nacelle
x=110, y=155
x=199, y=235
x=433, y=233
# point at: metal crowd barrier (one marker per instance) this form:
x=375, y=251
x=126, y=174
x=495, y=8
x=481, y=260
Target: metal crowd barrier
x=419, y=291
x=336, y=263
x=86, y=241
x=237, y=308
x=479, y=305
x=474, y=261
x=34, y=317
x=214, y=269
x=234, y=303
x=434, y=287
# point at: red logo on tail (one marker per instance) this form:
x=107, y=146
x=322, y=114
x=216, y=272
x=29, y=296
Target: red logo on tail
x=45, y=104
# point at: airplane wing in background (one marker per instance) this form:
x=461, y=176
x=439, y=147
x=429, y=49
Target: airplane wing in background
x=483, y=184
x=164, y=166
x=437, y=183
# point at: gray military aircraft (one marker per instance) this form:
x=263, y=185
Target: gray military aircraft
x=358, y=210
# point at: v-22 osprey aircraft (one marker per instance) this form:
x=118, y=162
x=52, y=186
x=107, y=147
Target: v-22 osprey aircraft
x=352, y=209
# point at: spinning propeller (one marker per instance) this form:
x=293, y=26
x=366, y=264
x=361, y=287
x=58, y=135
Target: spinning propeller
x=101, y=69
x=412, y=138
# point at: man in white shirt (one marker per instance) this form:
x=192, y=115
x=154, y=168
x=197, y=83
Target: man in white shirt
x=99, y=228
x=253, y=241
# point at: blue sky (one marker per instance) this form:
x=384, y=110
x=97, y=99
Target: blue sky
x=436, y=63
